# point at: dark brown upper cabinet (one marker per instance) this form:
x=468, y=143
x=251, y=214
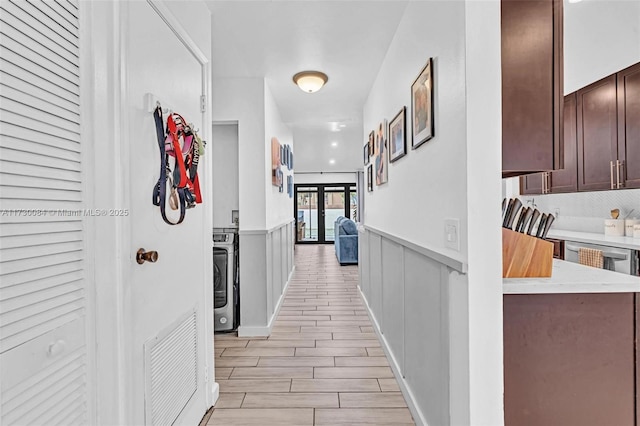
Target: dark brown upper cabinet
x=532, y=86
x=597, y=118
x=566, y=179
x=629, y=125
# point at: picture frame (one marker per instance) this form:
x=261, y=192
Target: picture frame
x=397, y=136
x=276, y=161
x=286, y=156
x=366, y=155
x=381, y=162
x=372, y=137
x=422, y=121
x=370, y=178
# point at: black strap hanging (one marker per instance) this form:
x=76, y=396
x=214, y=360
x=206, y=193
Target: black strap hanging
x=160, y=189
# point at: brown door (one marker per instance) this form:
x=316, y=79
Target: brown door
x=629, y=125
x=531, y=184
x=566, y=180
x=597, y=134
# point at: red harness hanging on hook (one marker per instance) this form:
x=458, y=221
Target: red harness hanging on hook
x=182, y=143
x=182, y=139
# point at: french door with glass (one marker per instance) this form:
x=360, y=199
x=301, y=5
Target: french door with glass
x=318, y=206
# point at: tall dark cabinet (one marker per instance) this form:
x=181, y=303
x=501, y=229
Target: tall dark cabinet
x=629, y=125
x=597, y=135
x=532, y=86
x=608, y=114
x=566, y=179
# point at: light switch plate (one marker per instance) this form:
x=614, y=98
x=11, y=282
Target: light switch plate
x=452, y=233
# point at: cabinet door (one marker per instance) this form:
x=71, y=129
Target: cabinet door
x=597, y=134
x=532, y=86
x=566, y=180
x=531, y=184
x=629, y=124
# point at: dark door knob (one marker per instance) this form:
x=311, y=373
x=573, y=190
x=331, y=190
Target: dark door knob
x=146, y=256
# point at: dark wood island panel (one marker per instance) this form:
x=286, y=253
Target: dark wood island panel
x=570, y=359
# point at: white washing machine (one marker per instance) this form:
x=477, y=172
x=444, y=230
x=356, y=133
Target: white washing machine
x=225, y=280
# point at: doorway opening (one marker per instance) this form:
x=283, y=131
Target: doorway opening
x=316, y=208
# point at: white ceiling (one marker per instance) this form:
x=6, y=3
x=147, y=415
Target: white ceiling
x=347, y=40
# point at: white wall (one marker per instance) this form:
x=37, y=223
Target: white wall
x=328, y=177
x=242, y=100
x=279, y=207
x=266, y=231
x=601, y=37
x=224, y=153
x=429, y=183
x=454, y=175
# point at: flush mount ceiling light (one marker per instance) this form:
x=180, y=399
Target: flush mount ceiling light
x=310, y=81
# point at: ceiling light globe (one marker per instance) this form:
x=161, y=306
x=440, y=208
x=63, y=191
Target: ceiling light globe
x=310, y=81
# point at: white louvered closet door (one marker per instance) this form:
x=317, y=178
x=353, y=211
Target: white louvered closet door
x=43, y=346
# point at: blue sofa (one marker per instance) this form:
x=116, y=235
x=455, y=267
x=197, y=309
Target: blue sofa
x=346, y=241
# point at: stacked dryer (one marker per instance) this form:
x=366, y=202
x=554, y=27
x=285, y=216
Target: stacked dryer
x=225, y=279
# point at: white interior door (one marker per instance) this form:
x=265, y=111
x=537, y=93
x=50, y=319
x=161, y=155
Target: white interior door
x=166, y=304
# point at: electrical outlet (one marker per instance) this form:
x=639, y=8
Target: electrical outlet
x=452, y=233
x=556, y=212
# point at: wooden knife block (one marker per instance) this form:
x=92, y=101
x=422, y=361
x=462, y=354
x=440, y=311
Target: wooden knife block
x=525, y=256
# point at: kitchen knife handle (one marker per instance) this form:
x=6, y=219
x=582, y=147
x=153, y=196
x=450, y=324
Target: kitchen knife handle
x=543, y=221
x=534, y=219
x=508, y=211
x=523, y=214
x=547, y=225
x=517, y=204
x=526, y=221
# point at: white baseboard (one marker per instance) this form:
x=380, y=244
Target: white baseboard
x=265, y=330
x=215, y=392
x=418, y=417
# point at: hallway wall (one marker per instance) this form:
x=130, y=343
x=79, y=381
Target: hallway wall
x=266, y=215
x=279, y=207
x=438, y=309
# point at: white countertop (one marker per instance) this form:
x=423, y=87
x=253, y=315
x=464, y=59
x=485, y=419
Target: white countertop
x=592, y=238
x=568, y=277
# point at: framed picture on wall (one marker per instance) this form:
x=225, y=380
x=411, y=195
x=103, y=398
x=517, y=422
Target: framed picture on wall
x=372, y=137
x=422, y=125
x=276, y=159
x=365, y=154
x=397, y=138
x=370, y=178
x=382, y=158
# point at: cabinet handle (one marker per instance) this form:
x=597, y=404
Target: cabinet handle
x=548, y=182
x=619, y=165
x=611, y=170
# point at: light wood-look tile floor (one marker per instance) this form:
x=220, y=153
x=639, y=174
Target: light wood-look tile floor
x=322, y=364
